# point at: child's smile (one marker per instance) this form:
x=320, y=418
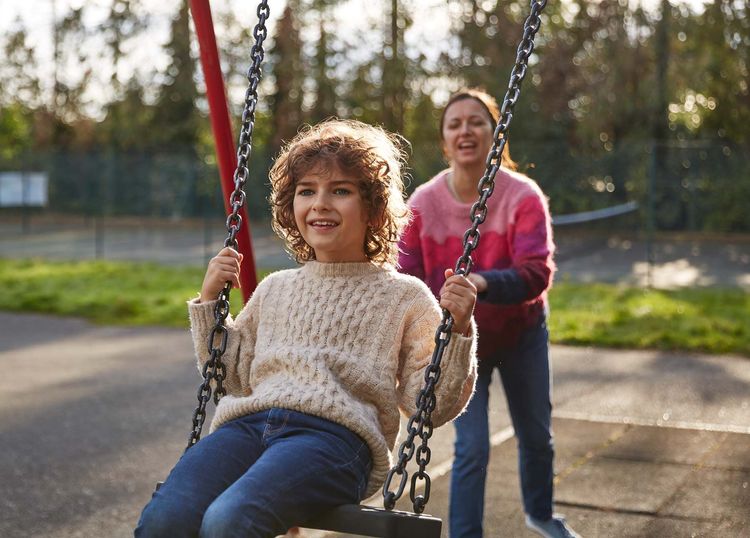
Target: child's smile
x=331, y=216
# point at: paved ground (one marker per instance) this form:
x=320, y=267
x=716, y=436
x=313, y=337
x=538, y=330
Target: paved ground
x=648, y=443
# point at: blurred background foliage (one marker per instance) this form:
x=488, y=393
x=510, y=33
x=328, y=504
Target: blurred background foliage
x=621, y=102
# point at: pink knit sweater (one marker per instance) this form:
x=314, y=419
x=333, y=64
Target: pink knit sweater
x=514, y=254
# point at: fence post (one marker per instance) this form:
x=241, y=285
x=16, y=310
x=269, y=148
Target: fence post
x=650, y=212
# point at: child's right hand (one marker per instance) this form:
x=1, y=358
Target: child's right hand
x=224, y=267
x=458, y=295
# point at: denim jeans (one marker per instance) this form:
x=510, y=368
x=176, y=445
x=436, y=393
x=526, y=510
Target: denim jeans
x=257, y=476
x=526, y=377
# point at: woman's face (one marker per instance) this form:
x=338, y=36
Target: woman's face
x=467, y=133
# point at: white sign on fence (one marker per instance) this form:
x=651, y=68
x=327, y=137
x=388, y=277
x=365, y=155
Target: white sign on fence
x=20, y=189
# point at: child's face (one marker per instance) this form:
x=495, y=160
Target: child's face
x=331, y=215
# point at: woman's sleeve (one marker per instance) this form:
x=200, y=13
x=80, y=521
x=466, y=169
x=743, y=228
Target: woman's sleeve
x=458, y=367
x=410, y=248
x=531, y=249
x=241, y=333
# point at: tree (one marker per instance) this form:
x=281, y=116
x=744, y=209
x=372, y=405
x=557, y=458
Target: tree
x=324, y=82
x=488, y=34
x=176, y=120
x=73, y=71
x=712, y=98
x=19, y=78
x=394, y=82
x=127, y=125
x=15, y=132
x=421, y=122
x=123, y=24
x=286, y=61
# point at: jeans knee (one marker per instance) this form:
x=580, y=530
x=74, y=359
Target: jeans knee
x=538, y=447
x=161, y=522
x=227, y=520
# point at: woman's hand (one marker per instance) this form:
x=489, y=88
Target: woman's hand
x=224, y=267
x=458, y=295
x=479, y=281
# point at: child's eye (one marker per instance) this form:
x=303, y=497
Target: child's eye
x=342, y=191
x=304, y=192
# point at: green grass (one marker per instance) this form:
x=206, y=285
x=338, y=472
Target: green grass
x=715, y=320
x=104, y=292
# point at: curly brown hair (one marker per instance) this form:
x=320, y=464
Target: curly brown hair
x=493, y=112
x=372, y=155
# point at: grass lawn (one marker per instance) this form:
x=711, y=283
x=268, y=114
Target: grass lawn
x=715, y=320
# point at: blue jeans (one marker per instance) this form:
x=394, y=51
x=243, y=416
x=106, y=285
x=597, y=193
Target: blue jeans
x=526, y=378
x=258, y=476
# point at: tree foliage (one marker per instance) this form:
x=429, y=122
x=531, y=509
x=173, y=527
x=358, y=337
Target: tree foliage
x=607, y=79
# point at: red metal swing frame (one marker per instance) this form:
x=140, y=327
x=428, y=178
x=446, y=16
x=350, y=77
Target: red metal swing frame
x=221, y=127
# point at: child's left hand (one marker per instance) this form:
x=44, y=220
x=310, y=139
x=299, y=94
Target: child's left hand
x=458, y=295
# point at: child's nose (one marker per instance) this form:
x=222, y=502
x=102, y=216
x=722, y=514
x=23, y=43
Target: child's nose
x=321, y=202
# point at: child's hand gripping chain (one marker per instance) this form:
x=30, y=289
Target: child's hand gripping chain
x=224, y=267
x=458, y=295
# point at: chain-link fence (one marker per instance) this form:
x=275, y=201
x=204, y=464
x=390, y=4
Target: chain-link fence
x=168, y=207
x=164, y=207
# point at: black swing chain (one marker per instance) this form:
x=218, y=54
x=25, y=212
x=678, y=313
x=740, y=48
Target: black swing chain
x=421, y=422
x=213, y=369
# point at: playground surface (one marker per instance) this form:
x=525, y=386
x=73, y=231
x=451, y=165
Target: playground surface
x=648, y=443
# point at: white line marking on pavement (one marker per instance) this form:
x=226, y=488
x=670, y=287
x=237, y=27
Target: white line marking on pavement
x=678, y=424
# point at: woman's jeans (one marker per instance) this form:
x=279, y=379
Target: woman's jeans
x=258, y=476
x=525, y=374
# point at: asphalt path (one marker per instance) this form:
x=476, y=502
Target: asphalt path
x=92, y=417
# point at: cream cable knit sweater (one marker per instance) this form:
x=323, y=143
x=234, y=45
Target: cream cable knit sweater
x=347, y=342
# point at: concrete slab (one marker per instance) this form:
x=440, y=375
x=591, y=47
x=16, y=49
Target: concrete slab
x=620, y=480
x=662, y=527
x=601, y=523
x=712, y=493
x=608, y=484
x=732, y=453
x=667, y=445
x=579, y=439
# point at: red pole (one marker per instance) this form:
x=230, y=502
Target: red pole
x=222, y=130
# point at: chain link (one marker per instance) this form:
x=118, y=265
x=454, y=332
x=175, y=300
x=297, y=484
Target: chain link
x=426, y=399
x=214, y=370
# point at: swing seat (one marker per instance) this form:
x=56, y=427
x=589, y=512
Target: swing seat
x=369, y=521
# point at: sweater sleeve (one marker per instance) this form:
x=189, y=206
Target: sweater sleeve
x=410, y=248
x=458, y=366
x=240, y=348
x=532, y=249
x=504, y=286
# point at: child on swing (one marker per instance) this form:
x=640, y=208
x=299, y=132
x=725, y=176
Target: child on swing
x=321, y=357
